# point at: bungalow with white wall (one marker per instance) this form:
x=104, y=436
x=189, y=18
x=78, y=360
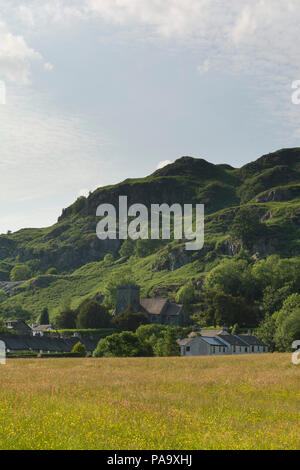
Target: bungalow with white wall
x=220, y=342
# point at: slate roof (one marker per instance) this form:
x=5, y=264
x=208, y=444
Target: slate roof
x=157, y=306
x=213, y=341
x=43, y=328
x=210, y=333
x=154, y=306
x=45, y=343
x=251, y=340
x=183, y=342
x=232, y=340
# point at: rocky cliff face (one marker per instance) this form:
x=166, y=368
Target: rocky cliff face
x=72, y=242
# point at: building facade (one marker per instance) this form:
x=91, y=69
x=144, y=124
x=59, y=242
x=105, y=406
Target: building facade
x=220, y=342
x=157, y=309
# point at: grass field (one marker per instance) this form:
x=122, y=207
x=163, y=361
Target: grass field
x=241, y=402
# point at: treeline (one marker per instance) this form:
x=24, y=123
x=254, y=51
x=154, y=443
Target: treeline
x=261, y=294
x=146, y=341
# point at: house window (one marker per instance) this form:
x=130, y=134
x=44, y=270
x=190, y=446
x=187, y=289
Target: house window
x=213, y=349
x=252, y=348
x=224, y=349
x=234, y=348
x=246, y=349
x=188, y=348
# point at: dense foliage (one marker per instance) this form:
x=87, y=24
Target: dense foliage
x=130, y=320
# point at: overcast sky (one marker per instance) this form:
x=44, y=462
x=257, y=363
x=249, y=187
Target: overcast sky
x=101, y=90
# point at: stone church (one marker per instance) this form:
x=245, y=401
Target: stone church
x=157, y=309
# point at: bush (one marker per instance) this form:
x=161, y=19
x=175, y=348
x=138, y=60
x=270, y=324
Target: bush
x=126, y=344
x=66, y=319
x=93, y=315
x=127, y=249
x=20, y=272
x=52, y=271
x=186, y=294
x=130, y=320
x=108, y=259
x=80, y=349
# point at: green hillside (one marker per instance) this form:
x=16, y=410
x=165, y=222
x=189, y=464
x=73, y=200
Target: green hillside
x=270, y=187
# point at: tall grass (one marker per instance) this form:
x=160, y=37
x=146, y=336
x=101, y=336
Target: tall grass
x=242, y=402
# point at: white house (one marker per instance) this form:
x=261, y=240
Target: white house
x=220, y=342
x=201, y=346
x=41, y=329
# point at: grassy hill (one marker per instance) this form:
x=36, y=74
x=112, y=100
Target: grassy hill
x=270, y=186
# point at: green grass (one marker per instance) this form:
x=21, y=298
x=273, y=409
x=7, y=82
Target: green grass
x=241, y=402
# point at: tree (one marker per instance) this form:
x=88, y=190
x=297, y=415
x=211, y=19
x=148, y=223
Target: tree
x=266, y=332
x=80, y=349
x=130, y=320
x=273, y=298
x=125, y=344
x=44, y=318
x=186, y=294
x=288, y=330
x=236, y=329
x=93, y=315
x=225, y=309
x=127, y=248
x=234, y=277
x=123, y=277
x=21, y=272
x=170, y=346
x=150, y=331
x=246, y=226
x=66, y=320
x=3, y=296
x=52, y=271
x=147, y=247
x=3, y=327
x=108, y=259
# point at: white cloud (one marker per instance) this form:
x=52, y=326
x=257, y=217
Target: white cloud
x=15, y=56
x=48, y=66
x=261, y=34
x=204, y=67
x=44, y=156
x=163, y=163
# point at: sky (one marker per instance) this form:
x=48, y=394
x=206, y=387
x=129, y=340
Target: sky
x=97, y=91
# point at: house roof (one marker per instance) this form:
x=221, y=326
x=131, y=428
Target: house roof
x=232, y=340
x=158, y=305
x=213, y=341
x=43, y=328
x=183, y=342
x=17, y=322
x=251, y=340
x=210, y=333
x=44, y=343
x=154, y=306
x=173, y=309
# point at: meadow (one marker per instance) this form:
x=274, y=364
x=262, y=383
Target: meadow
x=233, y=402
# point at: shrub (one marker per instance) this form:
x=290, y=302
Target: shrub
x=66, y=319
x=186, y=294
x=130, y=320
x=52, y=271
x=80, y=349
x=93, y=315
x=20, y=272
x=126, y=344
